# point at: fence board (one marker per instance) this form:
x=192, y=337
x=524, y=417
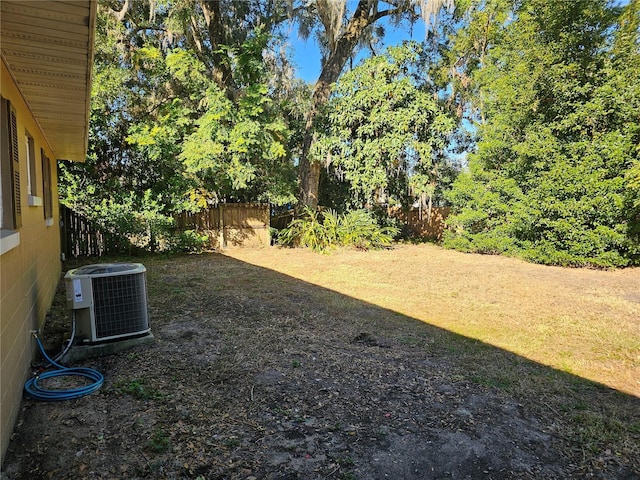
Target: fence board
x=419, y=222
x=230, y=224
x=80, y=238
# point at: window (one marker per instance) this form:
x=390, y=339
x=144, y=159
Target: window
x=46, y=188
x=11, y=207
x=32, y=189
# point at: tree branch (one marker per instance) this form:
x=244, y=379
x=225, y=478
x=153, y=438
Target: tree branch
x=120, y=15
x=141, y=28
x=195, y=34
x=385, y=13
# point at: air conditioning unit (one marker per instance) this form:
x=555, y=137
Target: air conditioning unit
x=109, y=301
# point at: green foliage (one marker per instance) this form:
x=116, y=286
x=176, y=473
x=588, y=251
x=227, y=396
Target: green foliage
x=306, y=231
x=552, y=179
x=239, y=150
x=129, y=223
x=135, y=224
x=167, y=132
x=359, y=229
x=132, y=181
x=385, y=133
x=188, y=241
x=325, y=230
x=159, y=442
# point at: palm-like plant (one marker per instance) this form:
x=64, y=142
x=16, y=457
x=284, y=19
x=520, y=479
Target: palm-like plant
x=322, y=231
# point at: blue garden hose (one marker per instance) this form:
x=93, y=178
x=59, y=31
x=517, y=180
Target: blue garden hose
x=33, y=390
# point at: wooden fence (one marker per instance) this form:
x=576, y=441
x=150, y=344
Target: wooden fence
x=79, y=237
x=419, y=223
x=230, y=225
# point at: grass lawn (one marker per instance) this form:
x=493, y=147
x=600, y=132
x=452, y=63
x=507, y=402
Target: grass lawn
x=410, y=363
x=580, y=321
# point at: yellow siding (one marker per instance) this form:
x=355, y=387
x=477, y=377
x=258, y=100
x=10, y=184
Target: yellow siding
x=29, y=273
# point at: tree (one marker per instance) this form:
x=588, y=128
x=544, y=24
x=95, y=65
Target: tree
x=341, y=33
x=557, y=137
x=161, y=73
x=160, y=61
x=621, y=101
x=386, y=131
x=132, y=92
x=238, y=149
x=131, y=179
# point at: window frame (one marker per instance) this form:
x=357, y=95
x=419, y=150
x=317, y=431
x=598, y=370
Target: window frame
x=10, y=200
x=47, y=191
x=35, y=200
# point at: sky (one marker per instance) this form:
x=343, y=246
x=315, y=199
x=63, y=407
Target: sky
x=306, y=54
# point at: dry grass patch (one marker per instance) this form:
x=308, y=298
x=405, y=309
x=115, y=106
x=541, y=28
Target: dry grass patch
x=413, y=363
x=580, y=321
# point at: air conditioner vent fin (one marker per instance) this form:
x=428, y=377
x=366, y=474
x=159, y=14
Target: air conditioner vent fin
x=120, y=304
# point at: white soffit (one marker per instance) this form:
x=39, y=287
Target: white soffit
x=48, y=46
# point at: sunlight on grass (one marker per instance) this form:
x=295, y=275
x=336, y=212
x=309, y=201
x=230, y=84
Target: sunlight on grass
x=583, y=322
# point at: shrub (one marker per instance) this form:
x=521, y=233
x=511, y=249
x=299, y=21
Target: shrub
x=358, y=229
x=306, y=231
x=188, y=241
x=322, y=231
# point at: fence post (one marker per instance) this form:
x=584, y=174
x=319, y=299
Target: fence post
x=63, y=231
x=222, y=237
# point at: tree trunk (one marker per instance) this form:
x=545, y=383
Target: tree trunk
x=309, y=168
x=222, y=74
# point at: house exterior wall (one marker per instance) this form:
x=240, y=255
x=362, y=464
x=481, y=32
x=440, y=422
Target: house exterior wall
x=29, y=269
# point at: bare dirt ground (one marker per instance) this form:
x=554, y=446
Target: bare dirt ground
x=412, y=363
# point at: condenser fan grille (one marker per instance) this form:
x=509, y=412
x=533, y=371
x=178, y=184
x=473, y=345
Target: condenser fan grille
x=120, y=305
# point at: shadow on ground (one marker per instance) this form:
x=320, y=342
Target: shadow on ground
x=256, y=375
